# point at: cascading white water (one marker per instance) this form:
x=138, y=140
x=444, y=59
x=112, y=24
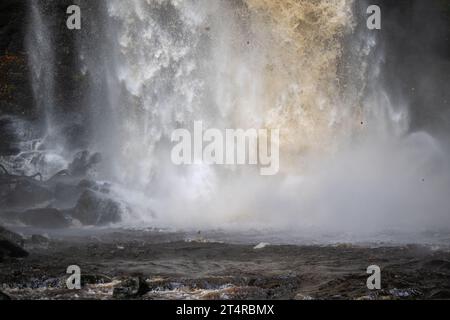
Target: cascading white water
x=347, y=160
x=41, y=59
x=43, y=154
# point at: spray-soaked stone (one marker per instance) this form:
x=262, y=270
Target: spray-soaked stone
x=131, y=288
x=83, y=163
x=4, y=296
x=11, y=245
x=45, y=218
x=94, y=208
x=24, y=193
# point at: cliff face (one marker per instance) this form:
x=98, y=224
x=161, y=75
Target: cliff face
x=15, y=89
x=16, y=97
x=416, y=44
x=16, y=93
x=12, y=25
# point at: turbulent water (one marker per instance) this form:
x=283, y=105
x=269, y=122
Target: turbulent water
x=309, y=68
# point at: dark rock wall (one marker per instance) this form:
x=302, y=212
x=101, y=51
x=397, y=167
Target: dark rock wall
x=16, y=95
x=12, y=25
x=416, y=39
x=15, y=89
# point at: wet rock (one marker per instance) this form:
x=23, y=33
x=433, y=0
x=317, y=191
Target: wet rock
x=11, y=236
x=69, y=191
x=94, y=279
x=66, y=193
x=94, y=208
x=45, y=218
x=235, y=293
x=39, y=239
x=130, y=288
x=89, y=184
x=404, y=293
x=277, y=287
x=83, y=162
x=440, y=294
x=301, y=296
x=62, y=176
x=8, y=145
x=11, y=245
x=438, y=264
x=4, y=296
x=24, y=193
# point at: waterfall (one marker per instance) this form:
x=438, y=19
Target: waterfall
x=40, y=46
x=236, y=64
x=309, y=68
x=40, y=142
x=230, y=65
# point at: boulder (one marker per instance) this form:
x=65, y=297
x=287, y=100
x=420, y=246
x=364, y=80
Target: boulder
x=68, y=192
x=4, y=297
x=24, y=193
x=83, y=162
x=11, y=245
x=45, y=218
x=39, y=239
x=11, y=250
x=93, y=185
x=66, y=195
x=11, y=236
x=96, y=209
x=131, y=288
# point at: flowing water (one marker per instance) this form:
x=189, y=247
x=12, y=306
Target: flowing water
x=310, y=68
x=41, y=46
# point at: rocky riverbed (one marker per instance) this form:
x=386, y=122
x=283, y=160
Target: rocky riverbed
x=154, y=264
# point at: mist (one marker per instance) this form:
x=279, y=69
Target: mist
x=354, y=156
x=363, y=114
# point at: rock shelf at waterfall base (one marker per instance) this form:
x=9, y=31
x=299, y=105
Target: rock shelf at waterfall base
x=130, y=264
